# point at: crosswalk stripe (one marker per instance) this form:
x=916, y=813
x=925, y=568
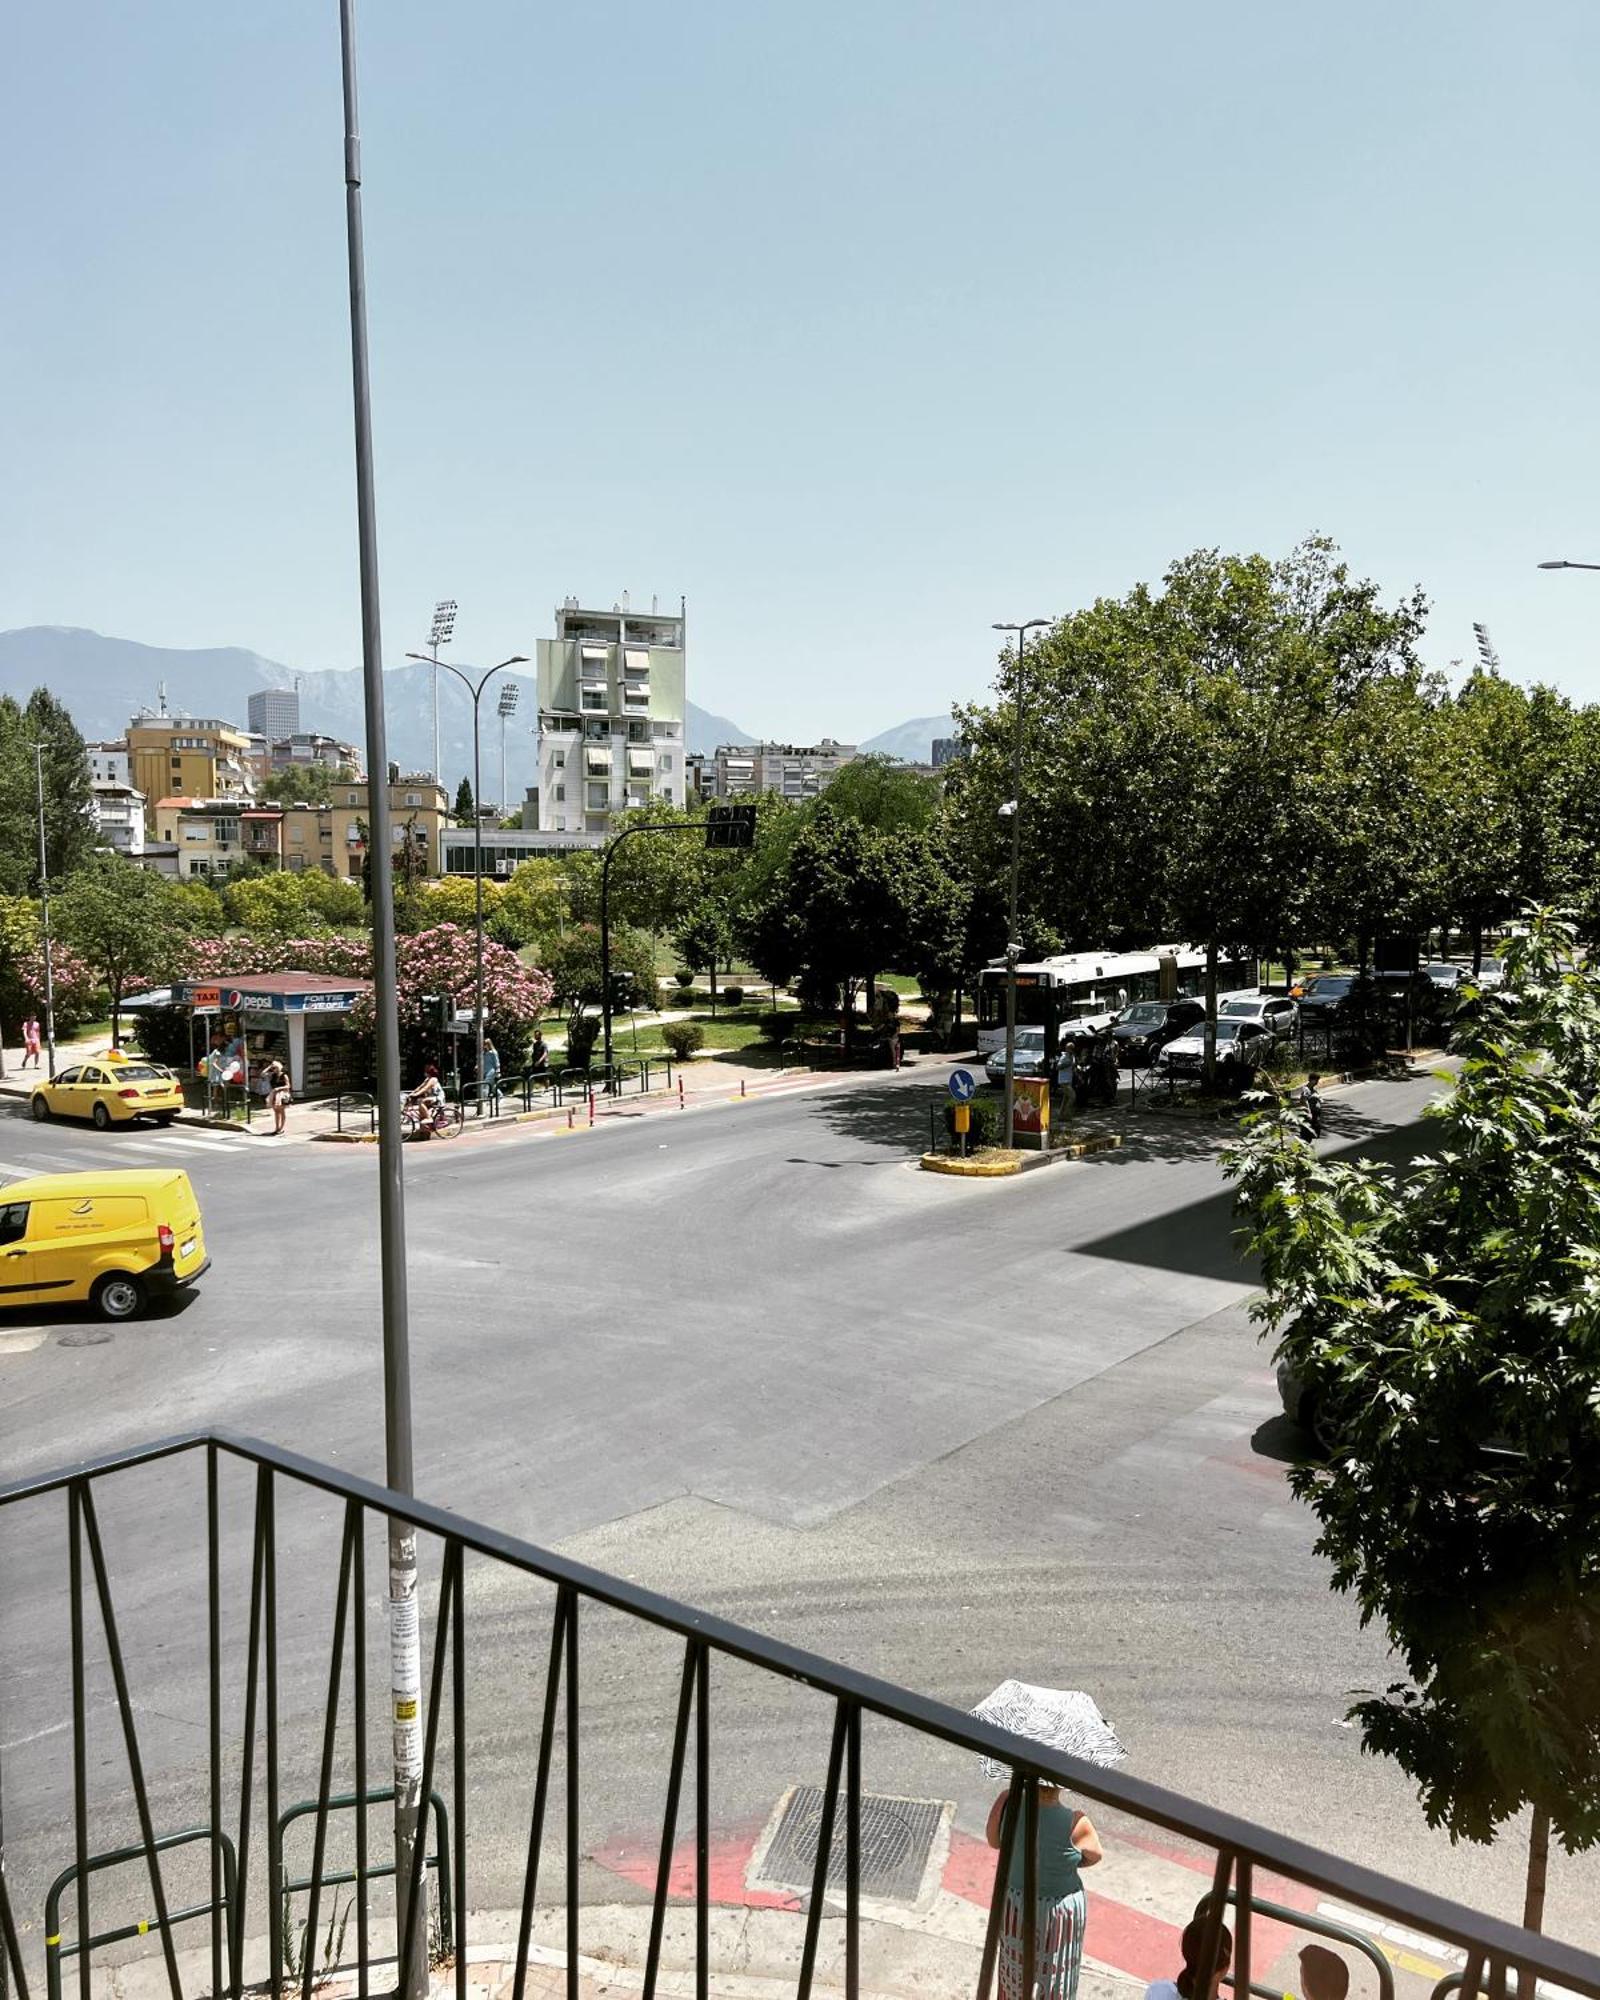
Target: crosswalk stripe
x=209, y=1144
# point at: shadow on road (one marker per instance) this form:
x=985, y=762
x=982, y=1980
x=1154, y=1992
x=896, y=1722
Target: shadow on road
x=1200, y=1239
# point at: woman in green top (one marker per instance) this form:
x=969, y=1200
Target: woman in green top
x=1067, y=1842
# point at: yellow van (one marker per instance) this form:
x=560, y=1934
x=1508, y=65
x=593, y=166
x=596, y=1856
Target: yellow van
x=119, y=1239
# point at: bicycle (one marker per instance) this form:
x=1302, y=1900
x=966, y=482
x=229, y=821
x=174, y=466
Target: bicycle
x=439, y=1121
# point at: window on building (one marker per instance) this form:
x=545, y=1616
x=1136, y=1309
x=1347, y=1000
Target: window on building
x=597, y=797
x=559, y=759
x=415, y=799
x=352, y=798
x=596, y=732
x=594, y=698
x=560, y=795
x=638, y=732
x=666, y=763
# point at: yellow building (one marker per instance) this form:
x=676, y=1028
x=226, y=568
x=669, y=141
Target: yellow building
x=334, y=837
x=208, y=834
x=187, y=757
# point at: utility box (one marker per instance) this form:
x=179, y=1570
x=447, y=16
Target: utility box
x=1030, y=1112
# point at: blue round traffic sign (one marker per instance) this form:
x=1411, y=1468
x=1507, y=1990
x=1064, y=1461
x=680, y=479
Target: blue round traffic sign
x=963, y=1084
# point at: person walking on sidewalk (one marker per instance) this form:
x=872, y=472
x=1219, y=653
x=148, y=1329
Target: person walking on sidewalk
x=1067, y=1843
x=275, y=1084
x=491, y=1072
x=30, y=1041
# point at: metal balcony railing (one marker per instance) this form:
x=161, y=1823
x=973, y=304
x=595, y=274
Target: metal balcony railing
x=585, y=1601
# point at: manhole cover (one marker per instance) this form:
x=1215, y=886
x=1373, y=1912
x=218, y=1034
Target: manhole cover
x=896, y=1841
x=86, y=1336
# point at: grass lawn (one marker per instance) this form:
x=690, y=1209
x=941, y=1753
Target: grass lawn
x=734, y=1028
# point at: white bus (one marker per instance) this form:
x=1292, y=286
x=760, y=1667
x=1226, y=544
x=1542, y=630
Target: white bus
x=1091, y=988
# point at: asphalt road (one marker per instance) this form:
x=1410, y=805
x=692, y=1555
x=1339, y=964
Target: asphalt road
x=948, y=1431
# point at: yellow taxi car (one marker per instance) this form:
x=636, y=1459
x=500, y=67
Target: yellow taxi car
x=119, y=1239
x=112, y=1089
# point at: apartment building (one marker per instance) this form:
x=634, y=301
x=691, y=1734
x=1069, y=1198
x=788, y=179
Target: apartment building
x=119, y=816
x=306, y=747
x=417, y=806
x=109, y=763
x=793, y=770
x=611, y=715
x=207, y=834
x=187, y=757
x=274, y=713
x=947, y=749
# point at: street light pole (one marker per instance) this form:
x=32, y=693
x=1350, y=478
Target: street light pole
x=44, y=910
x=475, y=689
x=1013, y=942
x=444, y=623
x=405, y=1651
x=1569, y=565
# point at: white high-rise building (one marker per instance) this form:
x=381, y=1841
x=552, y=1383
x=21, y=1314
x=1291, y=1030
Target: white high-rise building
x=611, y=715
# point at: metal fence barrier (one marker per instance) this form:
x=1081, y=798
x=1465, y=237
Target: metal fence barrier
x=56, y=1949
x=354, y=1100
x=438, y=1860
x=1490, y=1946
x=1304, y=1920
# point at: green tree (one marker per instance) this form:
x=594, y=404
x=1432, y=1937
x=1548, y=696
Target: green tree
x=19, y=941
x=574, y=966
x=882, y=794
x=300, y=785
x=1446, y=1317
x=705, y=940
x=463, y=805
x=656, y=878
x=274, y=905
x=536, y=905
x=200, y=906
x=126, y=922
x=69, y=827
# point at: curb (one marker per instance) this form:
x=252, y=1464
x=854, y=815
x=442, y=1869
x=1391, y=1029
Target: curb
x=1019, y=1163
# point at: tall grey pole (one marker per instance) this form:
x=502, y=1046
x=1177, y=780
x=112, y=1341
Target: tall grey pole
x=405, y=1654
x=1013, y=942
x=477, y=872
x=437, y=773
x=44, y=915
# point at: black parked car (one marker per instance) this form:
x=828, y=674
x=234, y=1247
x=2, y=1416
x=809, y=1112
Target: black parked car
x=1146, y=1027
x=1334, y=996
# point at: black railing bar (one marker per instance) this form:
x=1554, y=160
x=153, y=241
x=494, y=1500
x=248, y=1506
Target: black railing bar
x=819, y=1872
x=247, y=1772
x=214, y=1707
x=852, y=1853
x=1211, y=1936
x=358, y=1592
x=80, y=1747
x=12, y=1955
x=130, y=1737
x=541, y=1792
x=669, y=1823
x=458, y=1737
x=1208, y=1826
x=1030, y=1885
x=269, y=1571
x=572, y=1856
x=1244, y=1890
x=702, y=1826
x=1010, y=1815
x=330, y=1737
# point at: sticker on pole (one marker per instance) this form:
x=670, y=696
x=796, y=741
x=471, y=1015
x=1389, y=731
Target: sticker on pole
x=963, y=1085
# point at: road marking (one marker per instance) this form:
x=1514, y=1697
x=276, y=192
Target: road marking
x=24, y=1339
x=210, y=1145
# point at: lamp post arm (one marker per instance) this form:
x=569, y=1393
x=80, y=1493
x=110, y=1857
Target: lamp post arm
x=653, y=826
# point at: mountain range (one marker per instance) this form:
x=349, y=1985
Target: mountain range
x=104, y=681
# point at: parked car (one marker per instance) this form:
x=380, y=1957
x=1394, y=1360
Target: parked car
x=1241, y=1047
x=1489, y=978
x=1447, y=978
x=1028, y=1058
x=1267, y=1010
x=1332, y=996
x=1144, y=1029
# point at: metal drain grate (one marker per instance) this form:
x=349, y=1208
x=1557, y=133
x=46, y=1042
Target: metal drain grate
x=896, y=1842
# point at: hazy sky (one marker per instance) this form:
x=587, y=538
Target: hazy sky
x=861, y=323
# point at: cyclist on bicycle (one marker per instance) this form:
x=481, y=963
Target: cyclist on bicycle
x=424, y=1105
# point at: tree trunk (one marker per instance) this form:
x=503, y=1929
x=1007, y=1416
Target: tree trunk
x=1209, y=1069
x=1477, y=949
x=1538, y=1870
x=713, y=986
x=116, y=1013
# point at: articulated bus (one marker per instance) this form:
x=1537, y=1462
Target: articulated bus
x=1090, y=989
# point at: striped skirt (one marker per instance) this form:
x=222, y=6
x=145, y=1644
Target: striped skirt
x=1058, y=1948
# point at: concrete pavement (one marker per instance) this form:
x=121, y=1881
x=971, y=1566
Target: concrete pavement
x=945, y=1431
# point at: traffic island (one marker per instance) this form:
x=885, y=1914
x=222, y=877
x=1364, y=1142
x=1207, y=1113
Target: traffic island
x=995, y=1163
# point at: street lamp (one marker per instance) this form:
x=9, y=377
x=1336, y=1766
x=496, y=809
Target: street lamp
x=1012, y=810
x=1559, y=564
x=507, y=708
x=475, y=689
x=44, y=905
x=444, y=624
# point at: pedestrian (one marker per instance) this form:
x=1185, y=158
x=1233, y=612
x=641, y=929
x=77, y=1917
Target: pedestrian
x=30, y=1041
x=1323, y=1974
x=491, y=1070
x=1067, y=1842
x=1186, y=1985
x=1311, y=1105
x=538, y=1055
x=275, y=1083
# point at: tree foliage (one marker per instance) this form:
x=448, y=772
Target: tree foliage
x=1448, y=1318
x=127, y=924
x=69, y=831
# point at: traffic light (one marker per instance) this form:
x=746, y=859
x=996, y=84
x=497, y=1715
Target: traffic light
x=731, y=826
x=621, y=995
x=436, y=1010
